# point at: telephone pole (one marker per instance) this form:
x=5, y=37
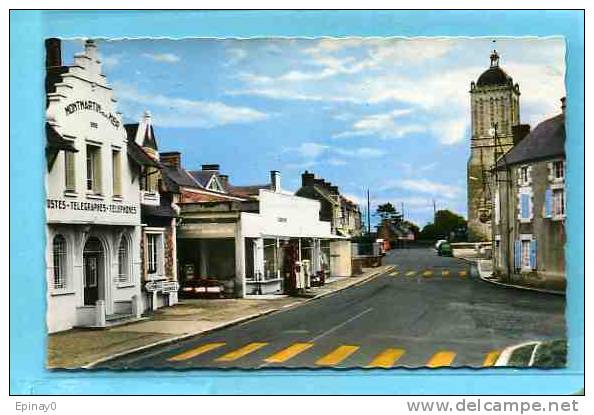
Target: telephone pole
x=368, y=214
x=434, y=212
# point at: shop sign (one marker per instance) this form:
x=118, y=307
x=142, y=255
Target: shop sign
x=59, y=204
x=89, y=105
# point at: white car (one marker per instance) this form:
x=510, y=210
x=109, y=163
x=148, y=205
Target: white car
x=438, y=243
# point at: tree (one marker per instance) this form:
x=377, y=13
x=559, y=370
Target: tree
x=387, y=212
x=447, y=225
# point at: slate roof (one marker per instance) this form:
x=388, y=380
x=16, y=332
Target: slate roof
x=139, y=155
x=56, y=142
x=149, y=135
x=176, y=177
x=252, y=190
x=202, y=176
x=546, y=141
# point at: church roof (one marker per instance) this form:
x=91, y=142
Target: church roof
x=494, y=76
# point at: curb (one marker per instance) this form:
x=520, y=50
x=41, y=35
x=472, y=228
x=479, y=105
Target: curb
x=502, y=284
x=505, y=355
x=222, y=325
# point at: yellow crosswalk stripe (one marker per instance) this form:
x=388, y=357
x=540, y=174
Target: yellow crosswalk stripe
x=463, y=274
x=387, y=358
x=410, y=273
x=288, y=353
x=441, y=358
x=337, y=355
x=188, y=354
x=241, y=352
x=491, y=358
x=427, y=274
x=445, y=273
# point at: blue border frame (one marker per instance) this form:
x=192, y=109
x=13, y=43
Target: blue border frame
x=27, y=290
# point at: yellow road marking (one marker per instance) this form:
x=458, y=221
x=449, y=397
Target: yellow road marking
x=288, y=353
x=410, y=273
x=241, y=352
x=394, y=274
x=337, y=355
x=445, y=273
x=491, y=358
x=463, y=274
x=387, y=358
x=188, y=354
x=427, y=274
x=442, y=358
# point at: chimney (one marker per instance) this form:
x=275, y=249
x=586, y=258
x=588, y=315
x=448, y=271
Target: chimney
x=307, y=179
x=320, y=182
x=563, y=104
x=53, y=52
x=333, y=190
x=91, y=49
x=210, y=167
x=519, y=132
x=275, y=181
x=171, y=158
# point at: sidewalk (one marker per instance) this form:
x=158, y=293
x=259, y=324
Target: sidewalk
x=83, y=347
x=484, y=269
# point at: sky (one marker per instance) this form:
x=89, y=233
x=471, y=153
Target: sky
x=391, y=115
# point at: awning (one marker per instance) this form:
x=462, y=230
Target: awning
x=137, y=154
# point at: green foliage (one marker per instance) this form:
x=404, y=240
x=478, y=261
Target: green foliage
x=447, y=225
x=388, y=212
x=551, y=354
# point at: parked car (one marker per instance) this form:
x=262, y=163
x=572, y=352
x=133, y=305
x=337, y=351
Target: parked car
x=438, y=243
x=445, y=249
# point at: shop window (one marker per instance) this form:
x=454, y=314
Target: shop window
x=116, y=160
x=59, y=262
x=69, y=171
x=94, y=169
x=123, y=262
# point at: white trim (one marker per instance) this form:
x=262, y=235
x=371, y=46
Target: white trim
x=214, y=178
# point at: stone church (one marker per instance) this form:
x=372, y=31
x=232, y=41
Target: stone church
x=495, y=112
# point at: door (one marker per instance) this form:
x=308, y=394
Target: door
x=92, y=273
x=91, y=279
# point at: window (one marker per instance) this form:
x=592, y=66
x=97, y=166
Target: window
x=94, y=169
x=215, y=185
x=153, y=240
x=117, y=172
x=525, y=253
x=548, y=203
x=69, y=171
x=123, y=266
x=525, y=206
x=558, y=196
x=558, y=170
x=150, y=179
x=59, y=262
x=524, y=175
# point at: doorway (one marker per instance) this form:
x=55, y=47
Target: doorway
x=93, y=257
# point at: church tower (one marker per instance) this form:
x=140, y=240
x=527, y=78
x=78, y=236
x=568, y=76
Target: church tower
x=495, y=110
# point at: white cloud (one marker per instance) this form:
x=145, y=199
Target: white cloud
x=162, y=57
x=182, y=112
x=235, y=55
x=360, y=152
x=109, y=61
x=383, y=125
x=424, y=186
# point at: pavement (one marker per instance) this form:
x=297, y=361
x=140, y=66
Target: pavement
x=427, y=311
x=84, y=348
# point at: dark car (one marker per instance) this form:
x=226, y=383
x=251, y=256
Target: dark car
x=445, y=249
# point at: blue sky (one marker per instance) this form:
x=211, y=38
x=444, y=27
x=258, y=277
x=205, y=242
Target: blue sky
x=391, y=115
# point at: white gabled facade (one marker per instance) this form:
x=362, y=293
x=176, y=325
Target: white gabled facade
x=92, y=206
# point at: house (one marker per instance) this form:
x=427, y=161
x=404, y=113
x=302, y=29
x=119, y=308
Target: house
x=530, y=208
x=255, y=239
x=93, y=213
x=159, y=213
x=344, y=215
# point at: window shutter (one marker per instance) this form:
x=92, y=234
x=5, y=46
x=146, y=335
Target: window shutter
x=548, y=203
x=524, y=208
x=517, y=254
x=551, y=171
x=533, y=254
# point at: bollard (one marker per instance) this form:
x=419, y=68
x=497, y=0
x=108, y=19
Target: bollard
x=100, y=313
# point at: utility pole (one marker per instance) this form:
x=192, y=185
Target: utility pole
x=434, y=212
x=368, y=214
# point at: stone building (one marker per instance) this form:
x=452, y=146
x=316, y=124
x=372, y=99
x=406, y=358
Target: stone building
x=159, y=214
x=529, y=209
x=344, y=215
x=92, y=207
x=495, y=113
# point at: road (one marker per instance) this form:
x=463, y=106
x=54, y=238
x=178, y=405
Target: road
x=428, y=311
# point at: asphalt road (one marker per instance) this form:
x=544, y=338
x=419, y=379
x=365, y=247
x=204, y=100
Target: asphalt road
x=429, y=311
